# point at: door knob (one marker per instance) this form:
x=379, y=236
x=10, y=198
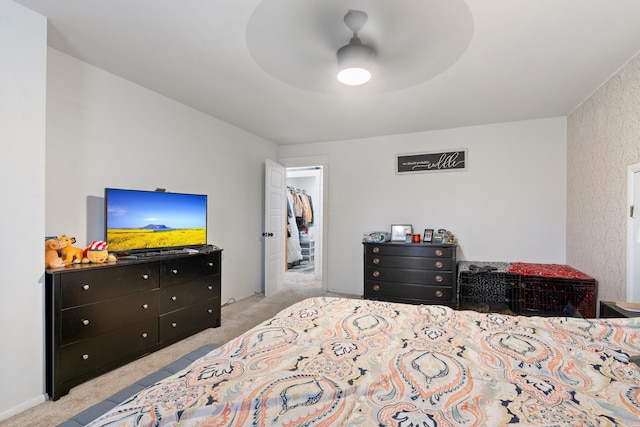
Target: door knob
x=267, y=234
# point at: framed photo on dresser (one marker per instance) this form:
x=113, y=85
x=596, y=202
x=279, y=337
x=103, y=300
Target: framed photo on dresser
x=428, y=235
x=399, y=232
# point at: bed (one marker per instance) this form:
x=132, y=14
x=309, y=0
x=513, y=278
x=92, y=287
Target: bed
x=337, y=361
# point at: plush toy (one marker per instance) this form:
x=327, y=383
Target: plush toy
x=51, y=257
x=97, y=252
x=70, y=254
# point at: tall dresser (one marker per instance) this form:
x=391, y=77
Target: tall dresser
x=414, y=273
x=101, y=316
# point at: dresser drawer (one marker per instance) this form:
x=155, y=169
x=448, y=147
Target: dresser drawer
x=97, y=318
x=411, y=250
x=407, y=275
x=101, y=351
x=185, y=269
x=185, y=294
x=91, y=285
x=407, y=291
x=197, y=317
x=409, y=262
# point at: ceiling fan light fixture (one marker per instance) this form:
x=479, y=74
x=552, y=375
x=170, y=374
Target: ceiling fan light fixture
x=355, y=58
x=354, y=63
x=354, y=76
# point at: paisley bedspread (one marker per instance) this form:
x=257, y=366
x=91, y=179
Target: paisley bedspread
x=346, y=362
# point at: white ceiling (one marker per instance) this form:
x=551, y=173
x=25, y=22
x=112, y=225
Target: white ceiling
x=269, y=66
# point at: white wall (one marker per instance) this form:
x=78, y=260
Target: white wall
x=23, y=40
x=510, y=205
x=103, y=131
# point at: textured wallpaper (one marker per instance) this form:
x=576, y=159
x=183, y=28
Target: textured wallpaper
x=603, y=139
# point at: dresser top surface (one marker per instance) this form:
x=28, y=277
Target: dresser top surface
x=125, y=261
x=427, y=244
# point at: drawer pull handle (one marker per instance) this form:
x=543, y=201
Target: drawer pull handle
x=376, y=250
x=85, y=356
x=210, y=264
x=145, y=306
x=145, y=276
x=85, y=322
x=174, y=298
x=85, y=287
x=174, y=271
x=376, y=287
x=438, y=252
x=438, y=279
x=438, y=264
x=439, y=294
x=376, y=260
x=376, y=274
x=174, y=324
x=210, y=287
x=144, y=335
x=210, y=311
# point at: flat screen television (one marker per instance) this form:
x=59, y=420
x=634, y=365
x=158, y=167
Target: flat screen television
x=138, y=221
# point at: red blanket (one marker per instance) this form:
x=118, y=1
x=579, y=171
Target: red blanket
x=558, y=271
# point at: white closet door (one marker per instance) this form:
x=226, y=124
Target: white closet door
x=275, y=206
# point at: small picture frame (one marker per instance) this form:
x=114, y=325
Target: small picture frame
x=400, y=231
x=428, y=235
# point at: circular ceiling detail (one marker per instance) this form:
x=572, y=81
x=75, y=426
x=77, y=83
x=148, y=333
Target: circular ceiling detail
x=296, y=41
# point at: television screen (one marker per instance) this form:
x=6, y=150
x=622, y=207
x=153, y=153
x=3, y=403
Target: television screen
x=146, y=220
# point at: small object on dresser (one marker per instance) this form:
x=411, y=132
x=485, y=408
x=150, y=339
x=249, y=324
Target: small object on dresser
x=448, y=238
x=439, y=237
x=629, y=306
x=416, y=238
x=376, y=237
x=399, y=232
x=407, y=238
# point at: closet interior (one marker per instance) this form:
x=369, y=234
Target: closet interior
x=303, y=206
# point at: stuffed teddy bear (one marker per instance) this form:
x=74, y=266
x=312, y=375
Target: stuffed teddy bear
x=51, y=257
x=97, y=252
x=70, y=254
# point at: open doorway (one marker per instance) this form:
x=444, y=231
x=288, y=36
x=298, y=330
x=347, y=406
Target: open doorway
x=304, y=221
x=633, y=234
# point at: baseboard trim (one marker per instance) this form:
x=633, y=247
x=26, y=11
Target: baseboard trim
x=23, y=407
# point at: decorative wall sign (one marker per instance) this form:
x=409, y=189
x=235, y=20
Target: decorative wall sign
x=432, y=162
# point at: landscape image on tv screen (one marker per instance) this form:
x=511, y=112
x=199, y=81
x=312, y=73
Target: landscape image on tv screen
x=139, y=220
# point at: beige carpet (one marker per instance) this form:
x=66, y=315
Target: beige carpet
x=237, y=318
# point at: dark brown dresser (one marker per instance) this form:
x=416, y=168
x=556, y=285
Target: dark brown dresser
x=101, y=316
x=414, y=273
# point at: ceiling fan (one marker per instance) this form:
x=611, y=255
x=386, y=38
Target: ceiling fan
x=354, y=59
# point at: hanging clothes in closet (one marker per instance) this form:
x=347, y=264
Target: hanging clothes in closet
x=299, y=218
x=303, y=208
x=294, y=251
